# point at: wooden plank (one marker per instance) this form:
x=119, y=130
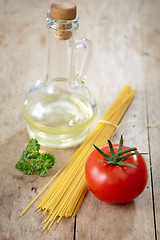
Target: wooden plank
x=151, y=46
x=153, y=117
x=153, y=109
x=23, y=50
x=122, y=60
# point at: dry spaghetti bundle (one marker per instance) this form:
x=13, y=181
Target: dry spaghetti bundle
x=68, y=187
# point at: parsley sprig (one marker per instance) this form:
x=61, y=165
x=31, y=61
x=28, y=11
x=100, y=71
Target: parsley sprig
x=32, y=161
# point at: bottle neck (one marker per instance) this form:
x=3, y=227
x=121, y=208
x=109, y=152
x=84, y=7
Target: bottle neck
x=61, y=45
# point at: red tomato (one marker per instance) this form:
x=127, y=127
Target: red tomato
x=114, y=183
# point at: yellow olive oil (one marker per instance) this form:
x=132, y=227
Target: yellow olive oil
x=58, y=120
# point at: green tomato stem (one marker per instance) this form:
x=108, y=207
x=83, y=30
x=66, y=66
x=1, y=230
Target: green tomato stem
x=118, y=158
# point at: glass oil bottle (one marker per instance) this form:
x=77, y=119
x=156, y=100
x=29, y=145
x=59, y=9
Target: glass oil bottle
x=59, y=109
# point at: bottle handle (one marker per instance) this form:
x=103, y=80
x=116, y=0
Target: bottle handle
x=87, y=49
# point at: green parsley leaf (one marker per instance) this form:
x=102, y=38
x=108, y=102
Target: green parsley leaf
x=32, y=161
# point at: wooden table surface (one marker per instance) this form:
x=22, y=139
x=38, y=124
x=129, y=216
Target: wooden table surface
x=126, y=49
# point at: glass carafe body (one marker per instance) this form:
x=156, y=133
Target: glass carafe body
x=59, y=109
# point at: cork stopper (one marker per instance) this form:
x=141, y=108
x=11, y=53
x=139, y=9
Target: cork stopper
x=63, y=10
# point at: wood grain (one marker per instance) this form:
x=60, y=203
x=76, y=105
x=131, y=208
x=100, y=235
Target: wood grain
x=126, y=49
